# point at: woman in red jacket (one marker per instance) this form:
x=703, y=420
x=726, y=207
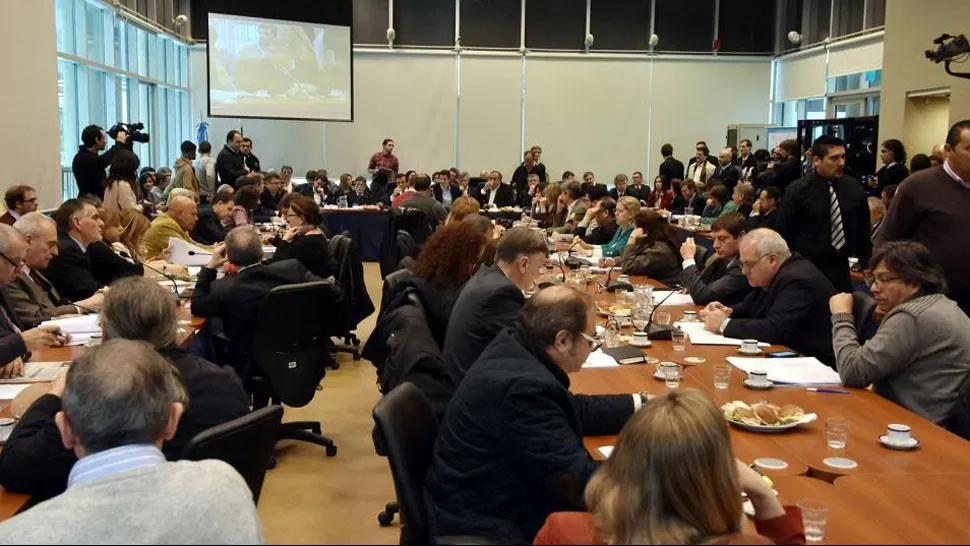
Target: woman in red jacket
x=659, y=197
x=673, y=479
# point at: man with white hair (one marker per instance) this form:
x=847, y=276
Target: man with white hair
x=32, y=295
x=791, y=307
x=877, y=213
x=177, y=221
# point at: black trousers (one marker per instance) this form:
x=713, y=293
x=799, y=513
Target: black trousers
x=836, y=269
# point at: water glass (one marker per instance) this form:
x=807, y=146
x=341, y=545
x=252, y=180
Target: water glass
x=722, y=376
x=815, y=514
x=662, y=318
x=679, y=337
x=640, y=316
x=836, y=432
x=672, y=373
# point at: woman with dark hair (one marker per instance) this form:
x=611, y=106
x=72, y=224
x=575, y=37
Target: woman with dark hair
x=546, y=208
x=660, y=198
x=120, y=189
x=447, y=260
x=677, y=201
x=652, y=249
x=919, y=162
x=304, y=240
x=892, y=153
x=246, y=201
x=919, y=357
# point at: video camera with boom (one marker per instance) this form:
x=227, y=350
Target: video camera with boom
x=133, y=130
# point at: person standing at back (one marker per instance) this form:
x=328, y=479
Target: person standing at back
x=249, y=158
x=892, y=153
x=825, y=216
x=383, y=166
x=229, y=164
x=205, y=172
x=122, y=401
x=670, y=169
x=88, y=167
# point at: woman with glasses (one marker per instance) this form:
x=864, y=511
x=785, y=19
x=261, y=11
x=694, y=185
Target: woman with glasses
x=920, y=355
x=303, y=239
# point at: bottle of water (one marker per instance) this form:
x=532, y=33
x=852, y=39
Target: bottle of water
x=342, y=201
x=611, y=337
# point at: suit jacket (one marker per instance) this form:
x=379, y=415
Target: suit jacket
x=721, y=280
x=785, y=174
x=889, y=175
x=70, y=271
x=509, y=450
x=366, y=198
x=209, y=229
x=35, y=461
x=488, y=303
x=698, y=203
x=7, y=218
x=671, y=169
x=762, y=220
x=12, y=343
x=504, y=196
x=34, y=303
x=229, y=166
x=455, y=192
x=163, y=227
x=728, y=175
x=108, y=266
x=793, y=310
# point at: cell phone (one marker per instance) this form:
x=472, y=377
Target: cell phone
x=781, y=354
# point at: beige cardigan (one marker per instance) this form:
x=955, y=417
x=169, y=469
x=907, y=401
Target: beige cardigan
x=119, y=197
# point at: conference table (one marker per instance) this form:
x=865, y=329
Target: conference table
x=875, y=502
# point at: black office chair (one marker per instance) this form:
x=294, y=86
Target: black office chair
x=291, y=352
x=246, y=444
x=405, y=429
x=700, y=256
x=357, y=303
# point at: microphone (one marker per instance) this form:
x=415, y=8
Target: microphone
x=572, y=262
x=614, y=285
x=194, y=253
x=660, y=332
x=170, y=278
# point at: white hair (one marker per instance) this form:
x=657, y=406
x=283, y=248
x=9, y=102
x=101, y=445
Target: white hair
x=766, y=241
x=33, y=224
x=877, y=205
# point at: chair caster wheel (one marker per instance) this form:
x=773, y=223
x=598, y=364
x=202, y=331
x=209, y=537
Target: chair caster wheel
x=385, y=519
x=331, y=451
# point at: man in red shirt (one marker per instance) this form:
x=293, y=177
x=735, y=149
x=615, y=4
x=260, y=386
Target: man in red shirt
x=383, y=165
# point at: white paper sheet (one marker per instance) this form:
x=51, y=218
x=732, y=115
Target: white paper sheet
x=38, y=372
x=700, y=336
x=185, y=253
x=9, y=392
x=599, y=359
x=676, y=299
x=84, y=324
x=194, y=270
x=606, y=451
x=799, y=371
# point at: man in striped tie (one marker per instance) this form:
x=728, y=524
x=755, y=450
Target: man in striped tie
x=824, y=216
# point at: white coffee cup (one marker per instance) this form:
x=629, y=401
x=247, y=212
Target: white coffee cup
x=749, y=345
x=640, y=337
x=898, y=433
x=758, y=377
x=690, y=316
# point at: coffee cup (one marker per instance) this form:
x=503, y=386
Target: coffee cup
x=749, y=345
x=640, y=337
x=758, y=378
x=898, y=433
x=662, y=367
x=690, y=316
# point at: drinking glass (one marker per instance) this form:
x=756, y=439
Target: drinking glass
x=722, y=376
x=611, y=337
x=815, y=514
x=672, y=373
x=836, y=432
x=662, y=318
x=679, y=337
x=641, y=316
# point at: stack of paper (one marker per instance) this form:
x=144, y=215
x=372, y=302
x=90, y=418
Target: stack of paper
x=676, y=299
x=9, y=392
x=599, y=359
x=185, y=253
x=698, y=335
x=82, y=329
x=799, y=371
x=38, y=372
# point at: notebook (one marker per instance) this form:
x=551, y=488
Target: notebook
x=627, y=355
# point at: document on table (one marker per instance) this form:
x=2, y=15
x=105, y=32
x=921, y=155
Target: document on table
x=84, y=324
x=676, y=299
x=799, y=371
x=599, y=359
x=606, y=451
x=9, y=392
x=185, y=253
x=38, y=372
x=698, y=335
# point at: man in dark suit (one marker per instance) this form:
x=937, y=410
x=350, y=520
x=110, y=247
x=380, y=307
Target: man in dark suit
x=79, y=225
x=20, y=200
x=788, y=167
x=520, y=178
x=726, y=171
x=637, y=189
x=211, y=225
x=592, y=189
x=445, y=190
x=825, y=216
x=721, y=278
x=492, y=299
x=670, y=168
x=236, y=298
x=693, y=199
x=621, y=189
x=747, y=163
x=509, y=450
x=766, y=208
x=32, y=295
x=229, y=163
x=360, y=195
x=789, y=304
x=495, y=193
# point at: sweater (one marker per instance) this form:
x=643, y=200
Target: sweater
x=657, y=260
x=931, y=208
x=205, y=502
x=615, y=247
x=919, y=357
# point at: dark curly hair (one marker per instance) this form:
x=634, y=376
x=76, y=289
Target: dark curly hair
x=449, y=257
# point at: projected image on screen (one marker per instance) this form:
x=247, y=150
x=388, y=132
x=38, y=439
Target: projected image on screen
x=267, y=68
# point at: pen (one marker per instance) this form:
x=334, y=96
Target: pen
x=832, y=391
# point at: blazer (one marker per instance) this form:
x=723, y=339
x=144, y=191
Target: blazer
x=35, y=461
x=163, y=227
x=698, y=203
x=108, y=266
x=12, y=344
x=704, y=179
x=34, y=303
x=230, y=166
x=793, y=310
x=504, y=196
x=600, y=235
x=489, y=303
x=509, y=450
x=721, y=280
x=313, y=251
x=729, y=175
x=887, y=175
x=366, y=198
x=70, y=271
x=785, y=174
x=658, y=261
x=671, y=169
x=208, y=229
x=7, y=218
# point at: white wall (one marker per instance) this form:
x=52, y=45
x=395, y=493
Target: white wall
x=605, y=114
x=927, y=121
x=29, y=149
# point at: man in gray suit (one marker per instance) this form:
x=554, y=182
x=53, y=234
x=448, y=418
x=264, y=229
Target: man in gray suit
x=122, y=401
x=32, y=296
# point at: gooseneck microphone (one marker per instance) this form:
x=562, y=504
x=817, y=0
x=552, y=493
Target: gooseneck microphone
x=170, y=278
x=663, y=331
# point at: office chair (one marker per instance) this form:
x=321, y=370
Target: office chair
x=246, y=444
x=291, y=352
x=357, y=303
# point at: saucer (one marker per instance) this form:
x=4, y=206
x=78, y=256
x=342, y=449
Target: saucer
x=750, y=353
x=640, y=343
x=695, y=360
x=912, y=444
x=750, y=385
x=660, y=377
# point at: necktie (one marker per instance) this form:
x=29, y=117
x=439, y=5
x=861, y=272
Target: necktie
x=6, y=318
x=835, y=214
x=39, y=280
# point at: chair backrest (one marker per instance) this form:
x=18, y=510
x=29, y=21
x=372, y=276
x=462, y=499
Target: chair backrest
x=416, y=222
x=246, y=444
x=863, y=307
x=291, y=346
x=391, y=282
x=350, y=277
x=405, y=426
x=700, y=254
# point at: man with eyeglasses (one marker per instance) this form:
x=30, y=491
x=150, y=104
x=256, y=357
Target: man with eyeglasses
x=78, y=226
x=510, y=447
x=20, y=200
x=789, y=304
x=16, y=341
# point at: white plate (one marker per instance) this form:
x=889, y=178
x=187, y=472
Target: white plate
x=912, y=444
x=808, y=418
x=638, y=343
x=750, y=353
x=750, y=385
x=695, y=360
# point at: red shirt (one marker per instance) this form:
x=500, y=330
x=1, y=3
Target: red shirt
x=381, y=161
x=668, y=197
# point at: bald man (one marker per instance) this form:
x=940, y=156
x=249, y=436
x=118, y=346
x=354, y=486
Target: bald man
x=177, y=221
x=727, y=172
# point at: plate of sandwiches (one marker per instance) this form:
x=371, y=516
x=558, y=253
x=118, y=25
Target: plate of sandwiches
x=618, y=310
x=765, y=416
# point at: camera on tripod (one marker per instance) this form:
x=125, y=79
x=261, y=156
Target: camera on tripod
x=133, y=130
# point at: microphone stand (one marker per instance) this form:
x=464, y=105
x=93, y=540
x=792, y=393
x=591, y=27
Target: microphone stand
x=660, y=332
x=170, y=278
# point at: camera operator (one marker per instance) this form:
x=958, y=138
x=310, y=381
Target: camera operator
x=88, y=166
